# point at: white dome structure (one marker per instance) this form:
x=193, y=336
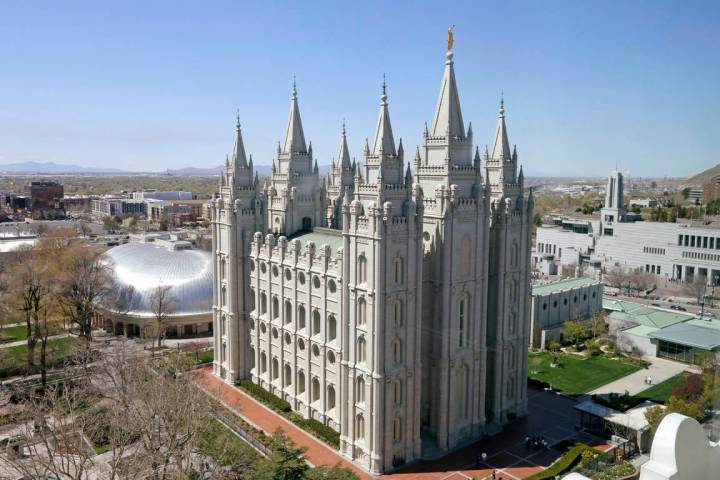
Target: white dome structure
x=140, y=268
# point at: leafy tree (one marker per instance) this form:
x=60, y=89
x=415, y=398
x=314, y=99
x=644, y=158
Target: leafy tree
x=690, y=389
x=654, y=415
x=285, y=463
x=574, y=332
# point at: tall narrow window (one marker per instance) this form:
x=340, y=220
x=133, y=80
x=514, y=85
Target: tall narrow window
x=275, y=369
x=398, y=313
x=463, y=326
x=397, y=351
x=263, y=363
x=361, y=311
x=301, y=382
x=399, y=270
x=362, y=269
x=316, y=323
x=330, y=397
x=359, y=427
x=360, y=354
x=315, y=390
x=287, y=375
x=288, y=312
x=397, y=392
x=275, y=308
x=252, y=299
x=397, y=429
x=263, y=303
x=331, y=328
x=359, y=390
x=301, y=317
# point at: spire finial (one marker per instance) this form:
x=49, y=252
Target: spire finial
x=384, y=88
x=294, y=90
x=343, y=127
x=450, y=39
x=237, y=119
x=502, y=103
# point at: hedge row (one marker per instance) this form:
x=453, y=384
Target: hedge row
x=318, y=429
x=565, y=463
x=272, y=401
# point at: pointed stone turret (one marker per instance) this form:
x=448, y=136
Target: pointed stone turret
x=238, y=156
x=344, y=154
x=501, y=145
x=448, y=116
x=384, y=141
x=294, y=136
x=476, y=159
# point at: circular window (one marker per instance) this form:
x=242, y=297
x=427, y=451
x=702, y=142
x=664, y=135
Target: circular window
x=316, y=282
x=252, y=325
x=555, y=303
x=331, y=357
x=275, y=332
x=275, y=271
x=288, y=274
x=301, y=278
x=426, y=236
x=331, y=286
x=263, y=328
x=288, y=338
x=544, y=306
x=263, y=268
x=565, y=301
x=316, y=350
x=301, y=344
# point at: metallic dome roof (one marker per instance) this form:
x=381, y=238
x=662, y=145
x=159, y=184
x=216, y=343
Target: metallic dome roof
x=145, y=266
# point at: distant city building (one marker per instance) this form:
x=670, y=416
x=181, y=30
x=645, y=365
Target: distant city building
x=643, y=202
x=711, y=190
x=678, y=251
x=117, y=207
x=45, y=199
x=175, y=213
x=78, y=203
x=392, y=305
x=156, y=195
x=697, y=194
x=553, y=304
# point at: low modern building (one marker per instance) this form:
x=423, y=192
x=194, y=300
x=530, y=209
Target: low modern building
x=657, y=332
x=711, y=190
x=156, y=195
x=675, y=251
x=139, y=268
x=553, y=304
x=117, y=207
x=630, y=425
x=643, y=202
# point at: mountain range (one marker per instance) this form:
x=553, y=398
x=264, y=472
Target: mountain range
x=52, y=167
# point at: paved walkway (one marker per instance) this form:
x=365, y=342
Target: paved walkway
x=24, y=341
x=660, y=370
x=551, y=416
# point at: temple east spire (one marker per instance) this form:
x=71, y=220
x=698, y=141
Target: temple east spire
x=501, y=145
x=344, y=153
x=384, y=140
x=239, y=159
x=448, y=115
x=294, y=136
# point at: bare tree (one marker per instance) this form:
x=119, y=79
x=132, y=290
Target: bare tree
x=696, y=287
x=84, y=282
x=162, y=305
x=616, y=277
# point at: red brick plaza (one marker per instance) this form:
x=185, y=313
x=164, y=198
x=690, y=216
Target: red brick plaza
x=550, y=415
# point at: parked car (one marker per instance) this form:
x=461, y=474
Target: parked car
x=678, y=307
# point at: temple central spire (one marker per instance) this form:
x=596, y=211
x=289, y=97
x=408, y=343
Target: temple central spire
x=294, y=137
x=501, y=145
x=384, y=140
x=238, y=156
x=448, y=116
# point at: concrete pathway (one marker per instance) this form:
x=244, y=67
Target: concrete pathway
x=660, y=370
x=24, y=341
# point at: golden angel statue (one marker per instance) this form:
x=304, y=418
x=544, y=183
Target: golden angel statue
x=450, y=38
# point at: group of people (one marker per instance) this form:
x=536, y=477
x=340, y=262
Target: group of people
x=648, y=380
x=536, y=442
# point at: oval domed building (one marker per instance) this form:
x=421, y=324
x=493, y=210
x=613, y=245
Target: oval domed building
x=139, y=268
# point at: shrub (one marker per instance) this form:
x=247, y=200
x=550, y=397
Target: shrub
x=326, y=433
x=618, y=402
x=564, y=463
x=272, y=401
x=690, y=389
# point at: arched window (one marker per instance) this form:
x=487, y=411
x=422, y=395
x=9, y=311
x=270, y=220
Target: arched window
x=315, y=390
x=252, y=357
x=330, y=397
x=288, y=312
x=331, y=328
x=275, y=308
x=359, y=390
x=263, y=363
x=288, y=375
x=397, y=429
x=362, y=269
x=397, y=351
x=397, y=392
x=223, y=297
x=361, y=311
x=252, y=299
x=263, y=303
x=301, y=316
x=223, y=269
x=464, y=258
x=399, y=270
x=398, y=313
x=316, y=323
x=463, y=327
x=359, y=427
x=301, y=382
x=275, y=369
x=224, y=325
x=360, y=350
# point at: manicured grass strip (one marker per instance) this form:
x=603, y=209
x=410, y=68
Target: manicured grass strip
x=659, y=393
x=563, y=464
x=312, y=426
x=575, y=376
x=13, y=360
x=13, y=334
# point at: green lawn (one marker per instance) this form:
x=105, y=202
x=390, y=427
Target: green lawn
x=575, y=376
x=13, y=360
x=12, y=334
x=659, y=393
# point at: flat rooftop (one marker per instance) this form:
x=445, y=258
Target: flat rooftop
x=320, y=237
x=563, y=285
x=691, y=335
x=622, y=310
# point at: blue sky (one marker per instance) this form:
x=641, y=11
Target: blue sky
x=150, y=85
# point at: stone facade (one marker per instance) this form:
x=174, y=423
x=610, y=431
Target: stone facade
x=388, y=303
